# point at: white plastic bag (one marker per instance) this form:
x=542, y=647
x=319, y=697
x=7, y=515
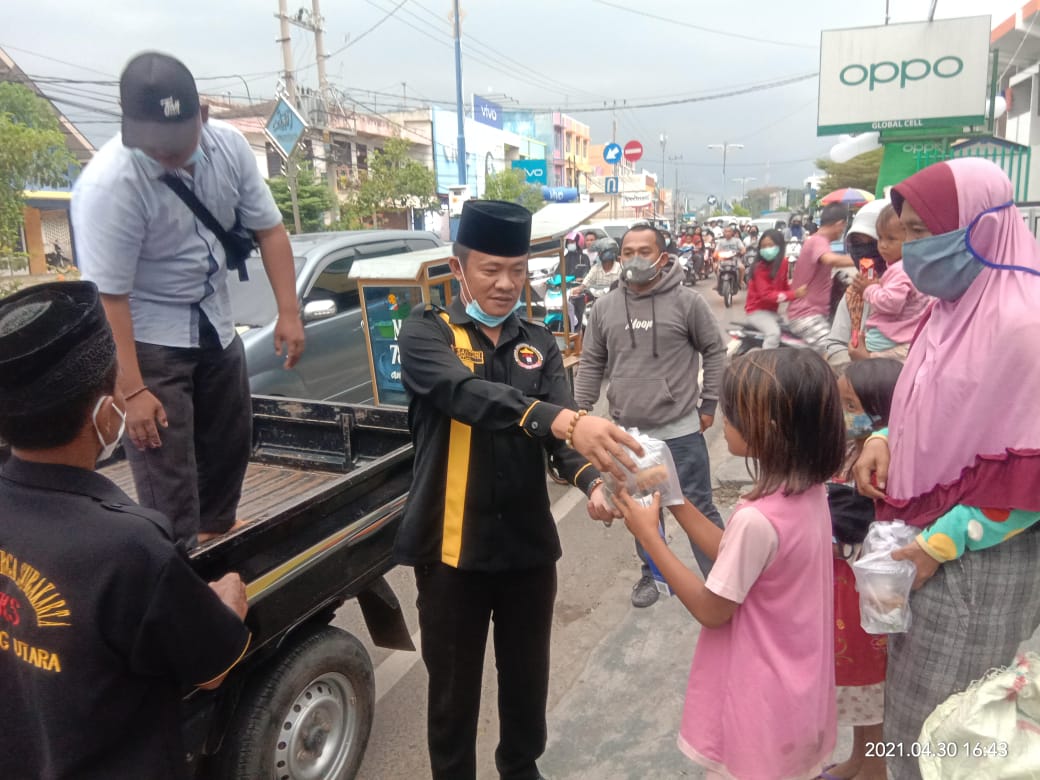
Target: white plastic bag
x=656, y=473
x=883, y=582
x=991, y=730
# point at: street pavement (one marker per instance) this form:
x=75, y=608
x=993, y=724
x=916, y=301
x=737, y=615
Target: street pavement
x=618, y=675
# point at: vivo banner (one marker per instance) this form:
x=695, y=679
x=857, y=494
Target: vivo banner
x=536, y=171
x=904, y=76
x=487, y=113
x=560, y=194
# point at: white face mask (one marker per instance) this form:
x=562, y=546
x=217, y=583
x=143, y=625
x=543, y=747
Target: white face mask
x=571, y=247
x=107, y=448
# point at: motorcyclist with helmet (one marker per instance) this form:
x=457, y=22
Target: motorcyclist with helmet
x=576, y=264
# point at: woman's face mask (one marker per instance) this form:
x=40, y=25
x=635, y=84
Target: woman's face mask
x=945, y=265
x=571, y=246
x=769, y=252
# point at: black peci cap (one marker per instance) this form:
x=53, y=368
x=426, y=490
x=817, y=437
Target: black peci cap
x=54, y=342
x=495, y=227
x=160, y=103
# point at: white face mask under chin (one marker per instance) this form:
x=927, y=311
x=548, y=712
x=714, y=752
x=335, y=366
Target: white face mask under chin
x=107, y=448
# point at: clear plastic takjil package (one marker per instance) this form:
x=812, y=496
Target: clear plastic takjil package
x=655, y=472
x=884, y=583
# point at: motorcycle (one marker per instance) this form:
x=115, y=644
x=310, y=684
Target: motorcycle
x=693, y=265
x=728, y=278
x=56, y=260
x=553, y=301
x=745, y=337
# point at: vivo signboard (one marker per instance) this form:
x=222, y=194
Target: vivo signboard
x=535, y=171
x=918, y=75
x=486, y=112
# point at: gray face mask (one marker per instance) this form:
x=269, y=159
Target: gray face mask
x=640, y=270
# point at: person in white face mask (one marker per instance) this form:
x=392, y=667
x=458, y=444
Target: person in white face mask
x=96, y=601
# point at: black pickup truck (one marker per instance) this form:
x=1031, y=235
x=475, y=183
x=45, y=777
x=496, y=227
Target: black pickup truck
x=323, y=496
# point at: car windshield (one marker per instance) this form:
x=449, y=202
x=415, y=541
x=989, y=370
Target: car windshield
x=252, y=303
x=616, y=232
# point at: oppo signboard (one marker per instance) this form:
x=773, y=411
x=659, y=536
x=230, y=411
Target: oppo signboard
x=905, y=76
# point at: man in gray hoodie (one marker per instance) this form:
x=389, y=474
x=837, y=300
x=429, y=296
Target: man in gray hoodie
x=647, y=337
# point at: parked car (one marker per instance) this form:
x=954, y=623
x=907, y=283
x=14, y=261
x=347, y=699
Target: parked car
x=334, y=365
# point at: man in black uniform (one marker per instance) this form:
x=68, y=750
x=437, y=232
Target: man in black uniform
x=103, y=623
x=488, y=398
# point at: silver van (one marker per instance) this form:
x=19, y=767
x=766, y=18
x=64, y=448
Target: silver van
x=334, y=365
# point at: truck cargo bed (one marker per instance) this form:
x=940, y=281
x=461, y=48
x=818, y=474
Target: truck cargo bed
x=267, y=491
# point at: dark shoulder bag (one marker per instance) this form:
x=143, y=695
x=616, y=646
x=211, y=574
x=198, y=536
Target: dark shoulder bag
x=238, y=243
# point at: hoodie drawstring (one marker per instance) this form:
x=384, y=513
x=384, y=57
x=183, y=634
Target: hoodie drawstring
x=653, y=323
x=631, y=330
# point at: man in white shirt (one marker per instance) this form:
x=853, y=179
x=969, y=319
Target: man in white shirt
x=162, y=275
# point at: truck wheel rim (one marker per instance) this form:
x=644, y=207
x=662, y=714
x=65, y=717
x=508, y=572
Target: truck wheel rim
x=318, y=730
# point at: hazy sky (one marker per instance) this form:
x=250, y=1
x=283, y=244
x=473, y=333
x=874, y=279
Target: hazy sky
x=564, y=54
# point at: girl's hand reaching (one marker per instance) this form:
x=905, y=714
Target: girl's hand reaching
x=641, y=521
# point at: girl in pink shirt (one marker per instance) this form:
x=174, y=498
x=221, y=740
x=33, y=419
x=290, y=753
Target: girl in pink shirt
x=896, y=306
x=760, y=703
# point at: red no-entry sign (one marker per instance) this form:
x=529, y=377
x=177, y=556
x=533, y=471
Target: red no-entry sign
x=633, y=151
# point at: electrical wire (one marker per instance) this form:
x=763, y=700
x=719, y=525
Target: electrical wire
x=692, y=26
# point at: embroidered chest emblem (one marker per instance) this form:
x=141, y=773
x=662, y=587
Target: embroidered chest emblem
x=527, y=356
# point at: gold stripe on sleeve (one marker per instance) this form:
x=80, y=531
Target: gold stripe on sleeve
x=458, y=464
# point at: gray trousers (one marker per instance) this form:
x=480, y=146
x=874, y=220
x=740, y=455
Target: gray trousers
x=769, y=323
x=195, y=477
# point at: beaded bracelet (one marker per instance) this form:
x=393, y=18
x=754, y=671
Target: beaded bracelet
x=137, y=392
x=593, y=485
x=574, y=423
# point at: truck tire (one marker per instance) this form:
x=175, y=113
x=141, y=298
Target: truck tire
x=306, y=716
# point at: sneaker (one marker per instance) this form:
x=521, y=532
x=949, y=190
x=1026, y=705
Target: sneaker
x=644, y=592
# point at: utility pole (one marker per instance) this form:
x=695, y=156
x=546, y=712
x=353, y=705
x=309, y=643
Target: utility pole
x=725, y=147
x=290, y=92
x=613, y=139
x=458, y=97
x=660, y=180
x=675, y=192
x=317, y=25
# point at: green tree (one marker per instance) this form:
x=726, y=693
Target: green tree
x=32, y=152
x=395, y=182
x=860, y=172
x=312, y=196
x=511, y=185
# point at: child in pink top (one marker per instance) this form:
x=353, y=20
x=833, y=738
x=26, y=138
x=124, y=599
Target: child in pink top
x=760, y=703
x=896, y=306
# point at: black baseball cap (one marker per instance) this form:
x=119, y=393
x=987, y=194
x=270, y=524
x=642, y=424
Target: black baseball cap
x=160, y=103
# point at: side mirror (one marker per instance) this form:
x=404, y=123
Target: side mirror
x=318, y=310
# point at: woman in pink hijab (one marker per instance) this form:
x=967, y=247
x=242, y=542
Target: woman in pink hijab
x=963, y=448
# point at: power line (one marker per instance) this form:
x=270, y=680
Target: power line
x=485, y=60
x=515, y=62
x=692, y=26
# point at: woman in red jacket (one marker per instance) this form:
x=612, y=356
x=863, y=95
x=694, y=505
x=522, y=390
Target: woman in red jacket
x=769, y=288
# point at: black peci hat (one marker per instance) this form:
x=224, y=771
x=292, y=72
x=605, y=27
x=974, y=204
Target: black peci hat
x=160, y=103
x=54, y=342
x=495, y=227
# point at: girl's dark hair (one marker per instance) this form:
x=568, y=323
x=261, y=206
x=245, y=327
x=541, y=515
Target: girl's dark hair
x=874, y=381
x=778, y=240
x=785, y=404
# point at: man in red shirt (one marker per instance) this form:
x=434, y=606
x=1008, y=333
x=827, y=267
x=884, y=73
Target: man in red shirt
x=809, y=317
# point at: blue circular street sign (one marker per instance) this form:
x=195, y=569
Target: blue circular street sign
x=612, y=153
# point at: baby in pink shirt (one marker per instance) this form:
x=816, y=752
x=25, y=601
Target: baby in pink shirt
x=896, y=306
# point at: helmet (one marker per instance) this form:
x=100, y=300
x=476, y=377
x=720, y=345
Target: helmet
x=607, y=248
x=576, y=237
